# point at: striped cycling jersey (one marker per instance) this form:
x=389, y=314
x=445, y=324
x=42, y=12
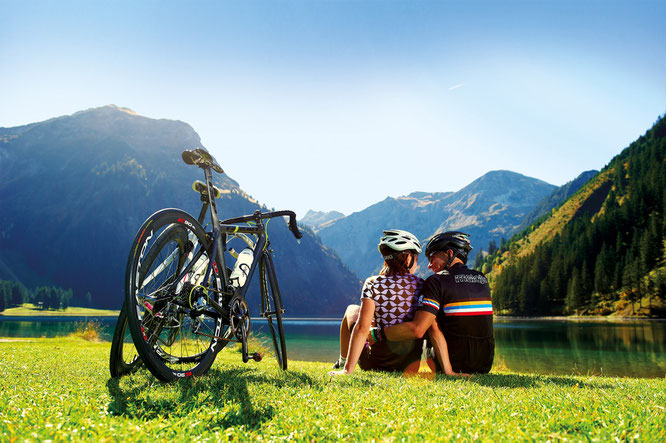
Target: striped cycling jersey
x=460, y=298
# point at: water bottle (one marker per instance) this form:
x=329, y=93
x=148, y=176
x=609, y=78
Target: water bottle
x=242, y=268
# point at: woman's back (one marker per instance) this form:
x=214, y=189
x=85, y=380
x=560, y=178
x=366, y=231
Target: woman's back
x=395, y=297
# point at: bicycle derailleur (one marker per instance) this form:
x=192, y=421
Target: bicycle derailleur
x=239, y=322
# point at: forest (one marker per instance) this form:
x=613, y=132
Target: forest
x=608, y=256
x=13, y=294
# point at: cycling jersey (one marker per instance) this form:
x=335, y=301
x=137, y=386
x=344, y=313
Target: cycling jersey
x=396, y=298
x=460, y=298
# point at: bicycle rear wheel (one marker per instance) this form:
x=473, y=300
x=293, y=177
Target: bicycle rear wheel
x=271, y=308
x=124, y=358
x=176, y=331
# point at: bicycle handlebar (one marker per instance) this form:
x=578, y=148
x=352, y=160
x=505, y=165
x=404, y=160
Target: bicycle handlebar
x=293, y=226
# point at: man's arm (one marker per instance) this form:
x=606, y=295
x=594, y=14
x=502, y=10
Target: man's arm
x=411, y=329
x=441, y=349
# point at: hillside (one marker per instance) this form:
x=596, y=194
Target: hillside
x=75, y=189
x=599, y=252
x=557, y=197
x=489, y=208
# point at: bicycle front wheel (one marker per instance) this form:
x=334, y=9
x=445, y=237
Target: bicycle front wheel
x=271, y=308
x=175, y=329
x=124, y=358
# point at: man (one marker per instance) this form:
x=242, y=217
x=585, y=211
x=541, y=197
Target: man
x=459, y=299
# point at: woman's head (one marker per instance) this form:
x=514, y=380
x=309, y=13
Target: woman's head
x=400, y=250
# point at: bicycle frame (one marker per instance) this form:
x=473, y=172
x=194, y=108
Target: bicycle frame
x=221, y=229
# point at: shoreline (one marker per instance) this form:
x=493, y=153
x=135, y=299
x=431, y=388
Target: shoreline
x=579, y=318
x=45, y=315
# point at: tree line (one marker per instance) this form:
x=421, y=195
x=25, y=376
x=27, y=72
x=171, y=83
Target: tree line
x=13, y=294
x=599, y=256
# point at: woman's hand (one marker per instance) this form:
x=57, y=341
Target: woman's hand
x=340, y=372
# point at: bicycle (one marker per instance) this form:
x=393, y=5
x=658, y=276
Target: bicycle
x=183, y=303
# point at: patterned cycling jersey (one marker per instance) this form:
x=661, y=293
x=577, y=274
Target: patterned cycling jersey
x=395, y=297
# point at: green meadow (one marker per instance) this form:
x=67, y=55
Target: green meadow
x=60, y=389
x=31, y=310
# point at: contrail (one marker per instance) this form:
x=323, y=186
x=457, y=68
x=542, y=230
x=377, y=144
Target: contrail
x=456, y=86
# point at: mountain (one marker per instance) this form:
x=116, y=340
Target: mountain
x=316, y=219
x=489, y=208
x=556, y=198
x=75, y=189
x=601, y=251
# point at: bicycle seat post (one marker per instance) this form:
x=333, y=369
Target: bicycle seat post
x=215, y=221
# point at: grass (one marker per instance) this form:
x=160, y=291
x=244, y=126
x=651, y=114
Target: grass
x=59, y=389
x=30, y=310
x=88, y=330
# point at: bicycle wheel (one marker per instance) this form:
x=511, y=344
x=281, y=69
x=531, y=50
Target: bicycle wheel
x=124, y=358
x=176, y=331
x=271, y=308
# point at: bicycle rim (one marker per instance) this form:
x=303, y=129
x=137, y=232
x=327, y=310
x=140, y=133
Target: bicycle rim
x=168, y=321
x=271, y=308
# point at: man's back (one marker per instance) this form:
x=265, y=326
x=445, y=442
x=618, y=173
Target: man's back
x=460, y=298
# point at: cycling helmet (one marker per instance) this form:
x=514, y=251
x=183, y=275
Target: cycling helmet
x=399, y=241
x=457, y=241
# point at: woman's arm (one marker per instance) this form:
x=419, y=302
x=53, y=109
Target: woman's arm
x=441, y=349
x=358, y=336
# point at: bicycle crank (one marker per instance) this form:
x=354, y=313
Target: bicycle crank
x=239, y=322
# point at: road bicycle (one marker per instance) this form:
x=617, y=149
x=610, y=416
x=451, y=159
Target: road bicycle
x=183, y=304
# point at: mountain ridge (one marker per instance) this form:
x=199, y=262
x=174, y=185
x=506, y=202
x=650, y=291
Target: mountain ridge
x=89, y=181
x=488, y=208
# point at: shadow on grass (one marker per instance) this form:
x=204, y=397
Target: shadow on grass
x=531, y=381
x=222, y=390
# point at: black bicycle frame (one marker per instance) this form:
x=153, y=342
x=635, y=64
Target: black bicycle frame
x=216, y=250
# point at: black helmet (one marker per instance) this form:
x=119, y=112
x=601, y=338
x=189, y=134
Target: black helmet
x=457, y=241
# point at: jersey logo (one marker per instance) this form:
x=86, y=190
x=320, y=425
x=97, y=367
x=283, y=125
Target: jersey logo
x=466, y=278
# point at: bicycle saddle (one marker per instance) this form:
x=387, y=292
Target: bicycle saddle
x=202, y=159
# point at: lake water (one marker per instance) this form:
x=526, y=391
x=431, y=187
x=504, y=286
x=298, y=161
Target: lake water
x=621, y=348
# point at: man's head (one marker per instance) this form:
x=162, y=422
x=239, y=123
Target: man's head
x=446, y=248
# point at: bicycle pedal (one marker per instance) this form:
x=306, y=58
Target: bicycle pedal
x=256, y=356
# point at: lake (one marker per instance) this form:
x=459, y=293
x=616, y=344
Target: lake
x=631, y=348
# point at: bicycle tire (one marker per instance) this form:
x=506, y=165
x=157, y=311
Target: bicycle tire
x=173, y=340
x=124, y=358
x=271, y=308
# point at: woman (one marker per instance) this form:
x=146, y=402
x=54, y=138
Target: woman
x=386, y=299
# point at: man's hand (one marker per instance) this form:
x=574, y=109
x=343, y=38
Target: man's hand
x=458, y=374
x=340, y=372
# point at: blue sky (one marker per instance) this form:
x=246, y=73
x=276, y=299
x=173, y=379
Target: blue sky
x=348, y=102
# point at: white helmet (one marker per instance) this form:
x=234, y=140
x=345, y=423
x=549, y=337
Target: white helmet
x=399, y=241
